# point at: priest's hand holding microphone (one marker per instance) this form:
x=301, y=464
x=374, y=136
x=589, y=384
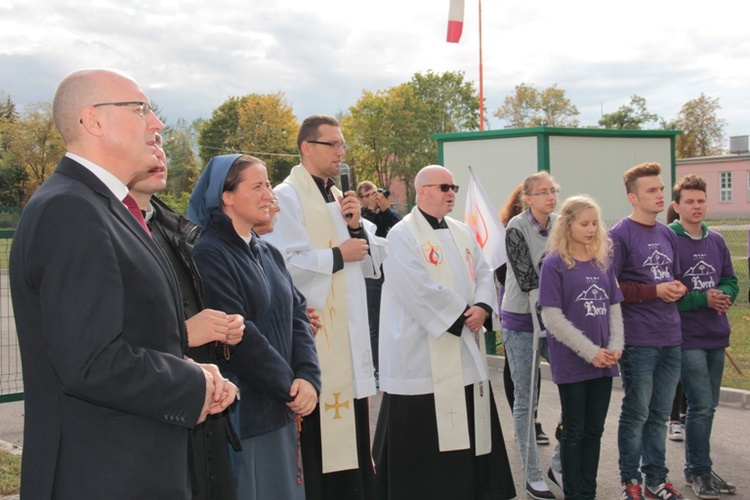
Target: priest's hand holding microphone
x=354, y=249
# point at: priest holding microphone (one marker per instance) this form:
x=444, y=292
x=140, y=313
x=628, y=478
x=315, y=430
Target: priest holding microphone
x=329, y=250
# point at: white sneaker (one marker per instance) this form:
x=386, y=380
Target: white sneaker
x=555, y=477
x=539, y=490
x=676, y=431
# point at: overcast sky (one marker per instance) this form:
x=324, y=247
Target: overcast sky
x=190, y=56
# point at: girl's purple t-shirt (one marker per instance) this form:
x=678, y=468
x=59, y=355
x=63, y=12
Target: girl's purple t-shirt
x=584, y=293
x=706, y=261
x=648, y=255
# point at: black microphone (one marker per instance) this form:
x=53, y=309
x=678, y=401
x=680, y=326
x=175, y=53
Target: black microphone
x=344, y=174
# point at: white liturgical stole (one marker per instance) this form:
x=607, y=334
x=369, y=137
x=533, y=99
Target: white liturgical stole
x=445, y=351
x=337, y=424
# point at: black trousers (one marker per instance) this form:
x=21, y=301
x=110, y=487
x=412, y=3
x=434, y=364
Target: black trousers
x=584, y=410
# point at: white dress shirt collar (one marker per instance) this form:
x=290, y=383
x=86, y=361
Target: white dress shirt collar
x=114, y=184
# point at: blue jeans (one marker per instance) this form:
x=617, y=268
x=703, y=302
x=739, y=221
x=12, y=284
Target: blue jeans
x=649, y=378
x=701, y=381
x=518, y=351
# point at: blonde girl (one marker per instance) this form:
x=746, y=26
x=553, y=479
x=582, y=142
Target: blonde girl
x=580, y=301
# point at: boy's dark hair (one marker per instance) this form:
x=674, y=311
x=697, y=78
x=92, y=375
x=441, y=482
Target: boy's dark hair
x=690, y=181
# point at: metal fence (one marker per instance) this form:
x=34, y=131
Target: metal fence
x=11, y=380
x=735, y=232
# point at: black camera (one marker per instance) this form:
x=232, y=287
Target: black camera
x=385, y=192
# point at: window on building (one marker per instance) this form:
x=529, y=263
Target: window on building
x=725, y=187
x=748, y=185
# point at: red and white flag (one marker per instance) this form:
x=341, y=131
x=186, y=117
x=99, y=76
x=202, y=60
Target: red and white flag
x=455, y=20
x=484, y=222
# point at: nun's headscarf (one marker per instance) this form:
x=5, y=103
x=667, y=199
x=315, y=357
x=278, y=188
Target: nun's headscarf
x=206, y=196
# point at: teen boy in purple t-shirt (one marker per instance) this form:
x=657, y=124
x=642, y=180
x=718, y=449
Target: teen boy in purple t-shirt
x=712, y=287
x=646, y=264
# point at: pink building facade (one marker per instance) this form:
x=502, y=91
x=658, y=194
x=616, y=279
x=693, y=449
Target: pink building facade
x=727, y=182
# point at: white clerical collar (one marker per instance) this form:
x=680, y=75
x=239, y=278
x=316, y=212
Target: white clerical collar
x=149, y=214
x=114, y=184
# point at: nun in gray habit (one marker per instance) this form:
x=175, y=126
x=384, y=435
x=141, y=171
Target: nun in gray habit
x=276, y=363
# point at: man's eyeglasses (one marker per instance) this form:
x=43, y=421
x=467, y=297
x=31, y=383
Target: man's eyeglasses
x=144, y=108
x=444, y=187
x=332, y=145
x=545, y=193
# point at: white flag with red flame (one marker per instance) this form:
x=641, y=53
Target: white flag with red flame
x=484, y=222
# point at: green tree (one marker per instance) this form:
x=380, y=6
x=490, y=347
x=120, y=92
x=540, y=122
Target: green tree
x=7, y=108
x=366, y=129
x=13, y=175
x=219, y=134
x=269, y=131
x=631, y=116
x=179, y=143
x=443, y=103
x=36, y=144
x=521, y=108
x=13, y=184
x=447, y=102
x=389, y=130
x=381, y=129
x=178, y=203
x=263, y=125
x=556, y=109
x=702, y=129
x=8, y=118
x=528, y=107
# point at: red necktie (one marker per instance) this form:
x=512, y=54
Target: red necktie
x=129, y=202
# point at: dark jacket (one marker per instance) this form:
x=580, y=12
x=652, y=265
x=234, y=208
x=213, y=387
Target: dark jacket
x=278, y=345
x=109, y=398
x=211, y=465
x=178, y=234
x=384, y=220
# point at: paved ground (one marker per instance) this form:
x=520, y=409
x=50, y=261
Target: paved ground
x=730, y=443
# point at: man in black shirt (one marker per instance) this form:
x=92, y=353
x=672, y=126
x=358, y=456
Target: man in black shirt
x=376, y=207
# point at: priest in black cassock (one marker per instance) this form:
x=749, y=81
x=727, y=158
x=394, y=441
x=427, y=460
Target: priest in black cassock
x=438, y=433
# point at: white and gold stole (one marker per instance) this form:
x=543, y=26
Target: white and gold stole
x=445, y=352
x=337, y=425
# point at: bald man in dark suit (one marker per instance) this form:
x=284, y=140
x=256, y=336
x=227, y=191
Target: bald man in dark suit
x=109, y=395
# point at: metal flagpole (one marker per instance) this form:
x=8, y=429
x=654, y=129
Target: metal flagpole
x=538, y=333
x=481, y=73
